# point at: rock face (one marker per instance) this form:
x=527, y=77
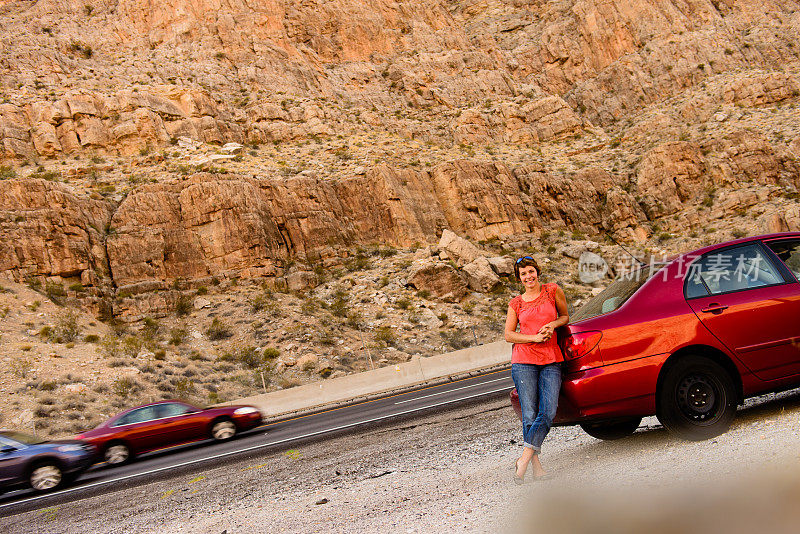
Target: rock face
x=49, y=229
x=518, y=72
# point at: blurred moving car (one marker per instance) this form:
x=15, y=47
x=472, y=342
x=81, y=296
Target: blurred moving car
x=42, y=465
x=686, y=340
x=166, y=423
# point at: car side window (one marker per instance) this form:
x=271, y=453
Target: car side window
x=172, y=409
x=148, y=413
x=789, y=253
x=729, y=270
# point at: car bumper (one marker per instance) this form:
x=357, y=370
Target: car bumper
x=248, y=421
x=613, y=391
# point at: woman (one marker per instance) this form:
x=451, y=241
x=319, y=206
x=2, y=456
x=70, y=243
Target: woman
x=535, y=359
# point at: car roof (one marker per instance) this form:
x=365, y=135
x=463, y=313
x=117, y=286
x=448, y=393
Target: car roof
x=156, y=403
x=743, y=240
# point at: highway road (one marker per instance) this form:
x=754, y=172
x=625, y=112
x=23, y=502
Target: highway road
x=268, y=438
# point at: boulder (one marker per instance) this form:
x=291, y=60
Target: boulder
x=480, y=275
x=458, y=248
x=300, y=280
x=502, y=265
x=439, y=278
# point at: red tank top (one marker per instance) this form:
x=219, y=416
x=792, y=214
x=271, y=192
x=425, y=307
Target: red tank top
x=531, y=317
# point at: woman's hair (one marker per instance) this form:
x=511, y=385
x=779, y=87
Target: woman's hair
x=526, y=261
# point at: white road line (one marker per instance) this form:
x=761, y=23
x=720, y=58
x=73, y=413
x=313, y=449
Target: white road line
x=455, y=389
x=229, y=453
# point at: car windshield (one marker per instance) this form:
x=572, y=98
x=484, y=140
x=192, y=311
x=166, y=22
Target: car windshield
x=20, y=437
x=615, y=295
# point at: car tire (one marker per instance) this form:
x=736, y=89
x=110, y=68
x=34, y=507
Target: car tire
x=223, y=429
x=697, y=399
x=45, y=476
x=610, y=430
x=117, y=453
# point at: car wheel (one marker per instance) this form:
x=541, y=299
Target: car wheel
x=609, y=430
x=45, y=476
x=697, y=399
x=223, y=429
x=117, y=454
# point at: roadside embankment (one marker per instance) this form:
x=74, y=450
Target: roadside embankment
x=401, y=376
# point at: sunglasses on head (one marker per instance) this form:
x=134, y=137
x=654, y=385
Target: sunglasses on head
x=525, y=258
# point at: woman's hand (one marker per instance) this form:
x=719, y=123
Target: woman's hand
x=547, y=330
x=540, y=338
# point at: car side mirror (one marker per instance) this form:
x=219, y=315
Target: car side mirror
x=5, y=449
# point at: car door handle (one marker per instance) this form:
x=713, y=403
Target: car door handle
x=714, y=308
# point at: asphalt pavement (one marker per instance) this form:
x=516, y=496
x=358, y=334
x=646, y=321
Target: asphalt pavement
x=274, y=436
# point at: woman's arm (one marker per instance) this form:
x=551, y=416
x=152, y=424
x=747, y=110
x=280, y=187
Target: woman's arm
x=512, y=336
x=563, y=313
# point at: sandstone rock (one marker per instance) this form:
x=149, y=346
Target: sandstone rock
x=300, y=280
x=201, y=302
x=575, y=249
x=307, y=361
x=458, y=248
x=441, y=279
x=788, y=221
x=60, y=233
x=670, y=175
x=480, y=275
x=76, y=388
x=502, y=265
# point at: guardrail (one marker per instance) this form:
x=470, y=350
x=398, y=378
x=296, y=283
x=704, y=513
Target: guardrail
x=406, y=375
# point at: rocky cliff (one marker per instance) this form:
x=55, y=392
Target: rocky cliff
x=387, y=122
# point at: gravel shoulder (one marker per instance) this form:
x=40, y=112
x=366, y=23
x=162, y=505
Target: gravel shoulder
x=452, y=471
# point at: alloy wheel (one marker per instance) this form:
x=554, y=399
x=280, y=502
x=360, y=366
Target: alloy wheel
x=117, y=454
x=223, y=430
x=45, y=477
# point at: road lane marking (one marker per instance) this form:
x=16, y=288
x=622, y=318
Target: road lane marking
x=240, y=451
x=382, y=398
x=454, y=389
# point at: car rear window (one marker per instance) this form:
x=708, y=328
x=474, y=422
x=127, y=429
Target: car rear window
x=614, y=295
x=789, y=253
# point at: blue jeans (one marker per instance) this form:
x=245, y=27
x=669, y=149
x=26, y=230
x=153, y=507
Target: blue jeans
x=538, y=387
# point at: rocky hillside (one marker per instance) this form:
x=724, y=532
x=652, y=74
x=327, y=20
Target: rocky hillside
x=168, y=165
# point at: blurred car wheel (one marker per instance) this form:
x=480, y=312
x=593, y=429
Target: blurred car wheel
x=45, y=476
x=697, y=399
x=223, y=429
x=117, y=454
x=612, y=429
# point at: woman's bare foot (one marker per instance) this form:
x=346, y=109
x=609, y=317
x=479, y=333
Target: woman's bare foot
x=538, y=470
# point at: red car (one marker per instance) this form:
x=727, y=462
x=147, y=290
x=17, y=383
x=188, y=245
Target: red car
x=166, y=423
x=686, y=341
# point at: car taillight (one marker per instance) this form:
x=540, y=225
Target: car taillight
x=580, y=344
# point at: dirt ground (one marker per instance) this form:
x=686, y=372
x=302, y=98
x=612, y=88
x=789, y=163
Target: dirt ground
x=452, y=472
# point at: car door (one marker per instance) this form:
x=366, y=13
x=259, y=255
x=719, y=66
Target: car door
x=746, y=297
x=182, y=422
x=12, y=461
x=140, y=429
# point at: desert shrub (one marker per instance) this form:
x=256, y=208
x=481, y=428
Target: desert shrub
x=218, y=330
x=339, y=305
x=457, y=339
x=183, y=305
x=55, y=292
x=20, y=367
x=132, y=345
x=385, y=335
x=150, y=328
x=124, y=386
x=177, y=336
x=48, y=385
x=403, y=303
x=67, y=329
x=354, y=319
x=270, y=353
x=160, y=354
x=91, y=338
